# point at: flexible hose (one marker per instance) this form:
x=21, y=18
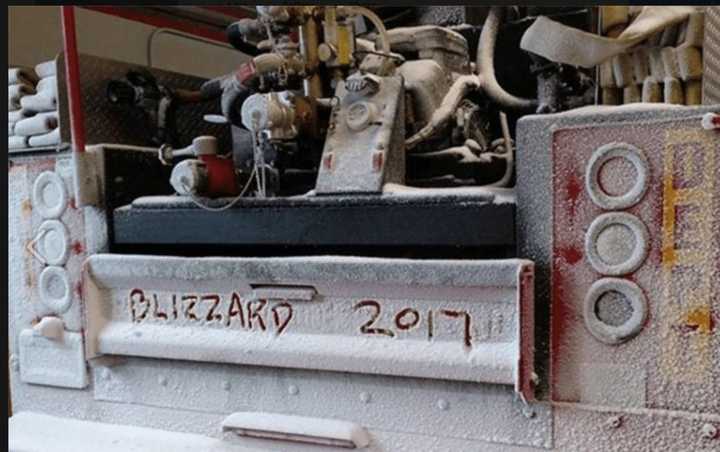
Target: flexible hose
x=376, y=21
x=486, y=65
x=457, y=92
x=509, y=153
x=234, y=201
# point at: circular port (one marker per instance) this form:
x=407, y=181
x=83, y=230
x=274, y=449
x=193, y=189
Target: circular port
x=617, y=176
x=49, y=197
x=55, y=289
x=616, y=243
x=54, y=242
x=615, y=310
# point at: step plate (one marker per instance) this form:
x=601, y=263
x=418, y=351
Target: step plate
x=454, y=320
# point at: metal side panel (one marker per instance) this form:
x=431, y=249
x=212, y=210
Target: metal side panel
x=51, y=361
x=454, y=320
x=546, y=225
x=424, y=409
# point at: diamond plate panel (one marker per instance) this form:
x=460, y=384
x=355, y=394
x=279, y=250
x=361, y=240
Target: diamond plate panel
x=711, y=56
x=106, y=123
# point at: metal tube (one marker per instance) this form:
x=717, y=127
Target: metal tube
x=309, y=42
x=72, y=74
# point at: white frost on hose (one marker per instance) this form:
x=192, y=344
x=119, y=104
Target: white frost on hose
x=509, y=153
x=376, y=21
x=563, y=44
x=486, y=66
x=457, y=92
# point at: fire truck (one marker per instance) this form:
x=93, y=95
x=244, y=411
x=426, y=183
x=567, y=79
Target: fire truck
x=377, y=233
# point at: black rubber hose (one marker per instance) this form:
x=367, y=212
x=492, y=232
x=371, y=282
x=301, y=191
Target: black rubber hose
x=213, y=88
x=233, y=96
x=237, y=40
x=120, y=92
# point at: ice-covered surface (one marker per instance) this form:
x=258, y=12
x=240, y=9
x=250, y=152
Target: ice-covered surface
x=52, y=361
x=71, y=435
x=391, y=192
x=622, y=109
x=442, y=15
x=497, y=195
x=679, y=254
x=317, y=430
x=35, y=432
x=670, y=405
x=448, y=273
x=194, y=398
x=326, y=332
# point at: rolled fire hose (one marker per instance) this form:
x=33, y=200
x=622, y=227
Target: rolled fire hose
x=562, y=44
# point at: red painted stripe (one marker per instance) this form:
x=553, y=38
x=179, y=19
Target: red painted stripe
x=72, y=74
x=161, y=22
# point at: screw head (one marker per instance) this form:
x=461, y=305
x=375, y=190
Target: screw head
x=614, y=422
x=365, y=397
x=443, y=404
x=162, y=380
x=293, y=390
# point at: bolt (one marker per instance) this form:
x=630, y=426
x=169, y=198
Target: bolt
x=443, y=404
x=293, y=390
x=162, y=380
x=614, y=422
x=709, y=431
x=226, y=385
x=365, y=397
